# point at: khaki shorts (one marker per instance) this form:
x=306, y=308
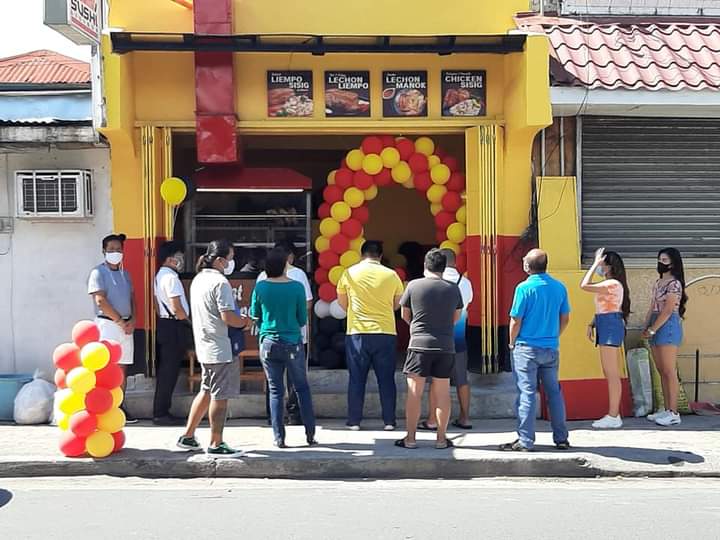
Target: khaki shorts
x=222, y=381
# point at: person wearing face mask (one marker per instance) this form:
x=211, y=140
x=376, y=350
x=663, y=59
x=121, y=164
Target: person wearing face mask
x=111, y=289
x=173, y=334
x=612, y=308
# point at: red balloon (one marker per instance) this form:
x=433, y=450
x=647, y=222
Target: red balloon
x=440, y=236
x=71, y=445
x=384, y=178
x=351, y=228
x=372, y=145
x=324, y=210
x=98, y=401
x=456, y=182
x=461, y=263
x=321, y=276
x=444, y=219
x=406, y=148
x=362, y=180
x=452, y=201
x=451, y=162
x=463, y=246
x=440, y=152
x=339, y=243
x=402, y=274
x=327, y=292
x=83, y=424
x=333, y=194
x=387, y=140
x=418, y=162
x=361, y=213
x=60, y=379
x=344, y=178
x=328, y=259
x=85, y=332
x=110, y=377
x=119, y=438
x=423, y=181
x=66, y=356
x=114, y=348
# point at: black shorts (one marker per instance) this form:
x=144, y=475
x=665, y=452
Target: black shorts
x=429, y=364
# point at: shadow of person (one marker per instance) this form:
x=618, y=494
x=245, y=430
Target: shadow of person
x=5, y=497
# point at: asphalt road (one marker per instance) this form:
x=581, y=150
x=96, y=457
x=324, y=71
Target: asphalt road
x=108, y=508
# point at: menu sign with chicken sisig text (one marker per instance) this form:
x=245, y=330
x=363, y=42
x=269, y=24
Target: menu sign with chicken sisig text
x=464, y=93
x=290, y=93
x=347, y=93
x=404, y=93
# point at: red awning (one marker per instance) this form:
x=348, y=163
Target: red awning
x=227, y=178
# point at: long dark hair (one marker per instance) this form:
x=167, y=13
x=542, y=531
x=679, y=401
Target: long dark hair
x=677, y=271
x=616, y=271
x=217, y=249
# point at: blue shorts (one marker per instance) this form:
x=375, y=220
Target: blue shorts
x=670, y=333
x=609, y=329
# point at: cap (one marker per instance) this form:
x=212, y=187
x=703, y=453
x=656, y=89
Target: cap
x=113, y=237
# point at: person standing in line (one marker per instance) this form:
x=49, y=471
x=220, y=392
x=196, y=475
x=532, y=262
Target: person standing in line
x=213, y=310
x=540, y=313
x=607, y=329
x=279, y=308
x=111, y=289
x=459, y=377
x=431, y=306
x=663, y=328
x=174, y=333
x=370, y=293
x=299, y=275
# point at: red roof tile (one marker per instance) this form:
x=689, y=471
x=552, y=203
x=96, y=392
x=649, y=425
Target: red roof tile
x=651, y=56
x=43, y=67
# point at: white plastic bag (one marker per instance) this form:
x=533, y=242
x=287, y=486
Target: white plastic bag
x=638, y=361
x=34, y=402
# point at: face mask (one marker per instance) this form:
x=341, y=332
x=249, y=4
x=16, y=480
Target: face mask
x=179, y=262
x=526, y=267
x=663, y=268
x=600, y=271
x=230, y=268
x=114, y=257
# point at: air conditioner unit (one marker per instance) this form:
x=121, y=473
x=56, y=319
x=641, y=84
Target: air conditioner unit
x=54, y=194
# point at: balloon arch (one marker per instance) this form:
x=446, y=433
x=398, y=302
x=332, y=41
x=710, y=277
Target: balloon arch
x=384, y=161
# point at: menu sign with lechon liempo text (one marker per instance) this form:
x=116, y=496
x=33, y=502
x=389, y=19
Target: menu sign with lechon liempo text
x=347, y=93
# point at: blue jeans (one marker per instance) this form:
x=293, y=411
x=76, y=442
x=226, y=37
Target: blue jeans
x=529, y=364
x=378, y=351
x=276, y=356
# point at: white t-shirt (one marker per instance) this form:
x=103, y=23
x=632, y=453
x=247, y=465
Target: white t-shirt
x=296, y=274
x=452, y=275
x=167, y=286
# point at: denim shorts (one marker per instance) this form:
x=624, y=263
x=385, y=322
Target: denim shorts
x=609, y=329
x=670, y=333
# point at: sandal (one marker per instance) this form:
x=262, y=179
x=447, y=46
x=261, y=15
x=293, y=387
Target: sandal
x=424, y=426
x=402, y=443
x=445, y=445
x=457, y=424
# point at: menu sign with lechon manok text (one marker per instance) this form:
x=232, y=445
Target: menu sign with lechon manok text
x=404, y=93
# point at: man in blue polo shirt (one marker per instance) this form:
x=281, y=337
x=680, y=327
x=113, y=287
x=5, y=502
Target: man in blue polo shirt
x=539, y=314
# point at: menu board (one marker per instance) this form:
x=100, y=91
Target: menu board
x=347, y=93
x=290, y=93
x=464, y=93
x=404, y=93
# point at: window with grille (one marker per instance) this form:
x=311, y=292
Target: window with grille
x=59, y=193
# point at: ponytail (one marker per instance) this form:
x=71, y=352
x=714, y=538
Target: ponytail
x=215, y=250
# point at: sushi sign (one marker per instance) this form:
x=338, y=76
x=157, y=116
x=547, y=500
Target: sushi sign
x=78, y=20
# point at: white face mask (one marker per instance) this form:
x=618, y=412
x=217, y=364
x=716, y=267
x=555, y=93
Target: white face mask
x=600, y=271
x=179, y=262
x=526, y=267
x=114, y=257
x=230, y=268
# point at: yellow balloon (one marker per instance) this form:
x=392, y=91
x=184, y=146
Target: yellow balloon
x=64, y=422
x=329, y=227
x=456, y=233
x=447, y=244
x=80, y=380
x=425, y=145
x=356, y=244
x=371, y=193
x=354, y=159
x=118, y=396
x=340, y=211
x=95, y=356
x=70, y=402
x=350, y=257
x=173, y=191
x=436, y=208
x=390, y=157
x=335, y=274
x=436, y=193
x=372, y=164
x=432, y=161
x=401, y=172
x=440, y=174
x=100, y=444
x=410, y=184
x=322, y=244
x=331, y=178
x=461, y=214
x=354, y=197
x=111, y=421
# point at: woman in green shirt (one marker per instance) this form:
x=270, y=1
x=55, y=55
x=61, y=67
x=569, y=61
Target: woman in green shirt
x=280, y=311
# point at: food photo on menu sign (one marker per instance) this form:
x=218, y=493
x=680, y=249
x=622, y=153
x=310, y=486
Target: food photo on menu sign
x=404, y=93
x=464, y=93
x=290, y=93
x=347, y=93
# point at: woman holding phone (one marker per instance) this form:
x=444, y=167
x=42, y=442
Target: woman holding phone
x=612, y=308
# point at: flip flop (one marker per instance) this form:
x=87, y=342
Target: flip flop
x=402, y=443
x=457, y=424
x=423, y=426
x=443, y=446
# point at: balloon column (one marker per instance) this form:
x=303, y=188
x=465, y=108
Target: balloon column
x=89, y=393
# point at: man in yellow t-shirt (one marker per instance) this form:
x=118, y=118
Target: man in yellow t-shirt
x=370, y=293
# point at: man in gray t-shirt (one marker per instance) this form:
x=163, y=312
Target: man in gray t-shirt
x=431, y=306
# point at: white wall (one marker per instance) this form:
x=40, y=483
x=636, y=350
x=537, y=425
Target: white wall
x=44, y=265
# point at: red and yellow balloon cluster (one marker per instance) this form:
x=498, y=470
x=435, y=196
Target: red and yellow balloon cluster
x=89, y=394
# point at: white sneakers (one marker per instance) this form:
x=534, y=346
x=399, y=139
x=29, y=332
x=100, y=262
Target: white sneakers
x=665, y=418
x=657, y=414
x=608, y=422
x=389, y=427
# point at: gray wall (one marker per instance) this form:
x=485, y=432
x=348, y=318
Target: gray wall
x=639, y=7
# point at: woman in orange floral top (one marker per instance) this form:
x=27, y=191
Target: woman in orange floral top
x=612, y=307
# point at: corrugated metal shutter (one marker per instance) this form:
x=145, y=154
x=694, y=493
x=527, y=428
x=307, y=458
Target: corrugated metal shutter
x=649, y=183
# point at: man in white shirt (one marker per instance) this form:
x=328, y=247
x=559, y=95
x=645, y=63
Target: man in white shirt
x=299, y=275
x=174, y=334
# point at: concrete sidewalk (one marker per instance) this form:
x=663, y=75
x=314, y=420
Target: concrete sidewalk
x=639, y=449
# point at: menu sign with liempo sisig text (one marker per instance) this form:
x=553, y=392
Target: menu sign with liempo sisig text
x=347, y=93
x=290, y=93
x=464, y=93
x=404, y=93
